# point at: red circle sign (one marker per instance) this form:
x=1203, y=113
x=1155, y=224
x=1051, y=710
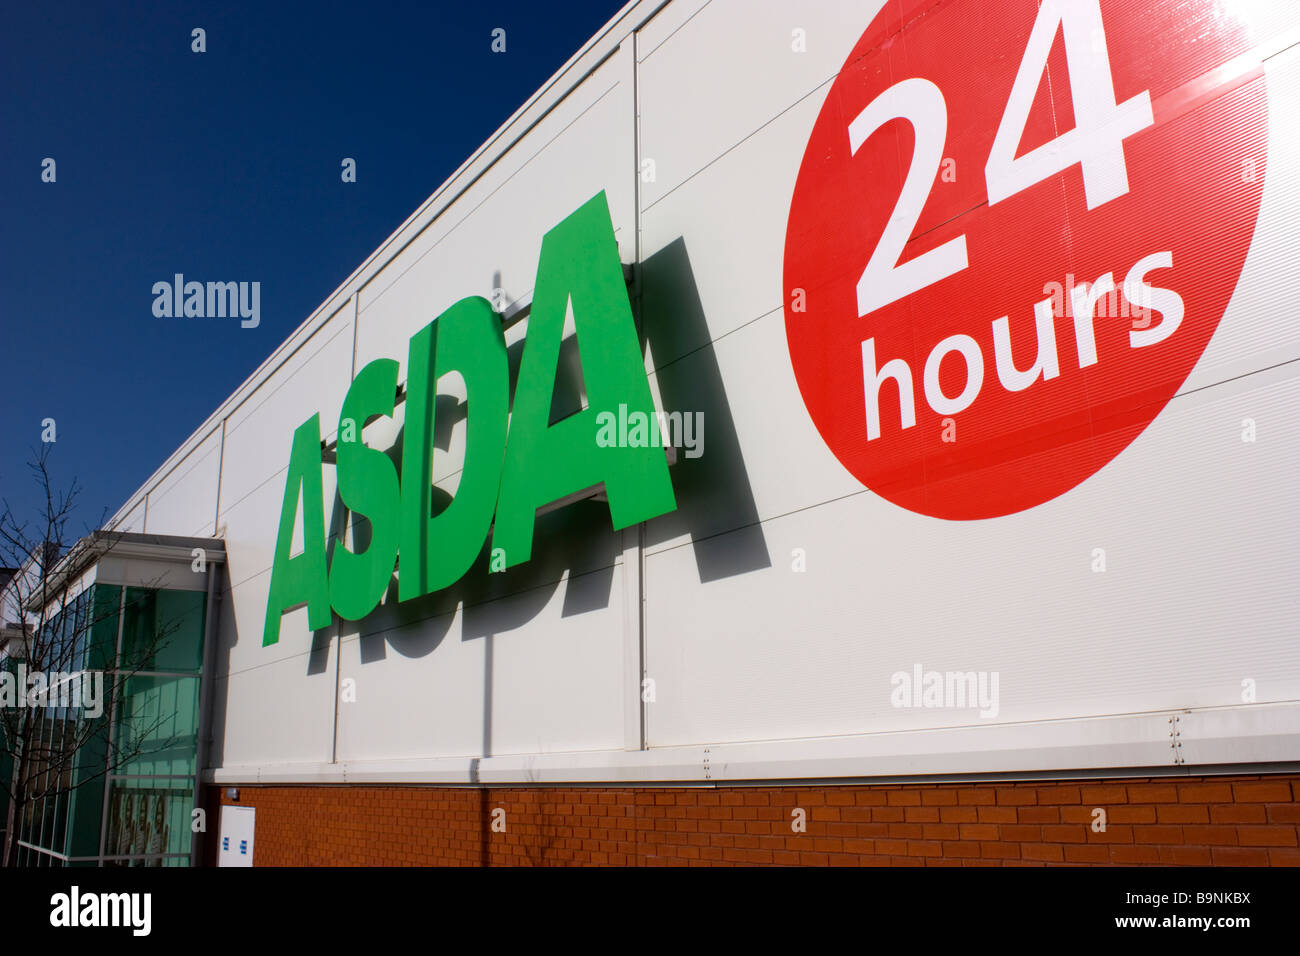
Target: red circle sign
x=1014, y=231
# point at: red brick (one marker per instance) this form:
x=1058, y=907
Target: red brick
x=1038, y=815
x=1017, y=796
x=1114, y=833
x=1239, y=856
x=1267, y=836
x=1205, y=792
x=1210, y=836
x=1185, y=855
x=1241, y=820
x=1284, y=813
x=943, y=797
x=1153, y=793
x=941, y=831
x=1065, y=834
x=1158, y=834
x=997, y=814
x=1079, y=815
x=1131, y=813
x=1183, y=813
x=1273, y=791
x=1052, y=796
x=1284, y=856
x=1000, y=851
x=1102, y=796
x=1019, y=833
x=1134, y=854
x=1047, y=852
x=1239, y=813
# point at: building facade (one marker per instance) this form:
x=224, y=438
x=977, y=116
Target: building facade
x=106, y=701
x=973, y=536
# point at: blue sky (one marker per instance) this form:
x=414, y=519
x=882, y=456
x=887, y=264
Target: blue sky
x=223, y=166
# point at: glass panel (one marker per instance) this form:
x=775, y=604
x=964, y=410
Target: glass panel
x=86, y=801
x=149, y=817
x=157, y=726
x=163, y=630
x=99, y=641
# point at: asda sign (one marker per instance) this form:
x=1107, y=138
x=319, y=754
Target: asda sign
x=515, y=460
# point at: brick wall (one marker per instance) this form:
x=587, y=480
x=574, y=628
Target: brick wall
x=1242, y=820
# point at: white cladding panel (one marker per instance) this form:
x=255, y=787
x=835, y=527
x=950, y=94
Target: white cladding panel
x=695, y=127
x=728, y=71
x=185, y=502
x=133, y=518
x=526, y=673
x=278, y=713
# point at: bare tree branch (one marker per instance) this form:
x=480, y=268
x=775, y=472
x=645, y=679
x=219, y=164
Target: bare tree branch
x=59, y=628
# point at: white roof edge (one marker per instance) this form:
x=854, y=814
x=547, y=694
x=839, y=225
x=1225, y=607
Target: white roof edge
x=608, y=38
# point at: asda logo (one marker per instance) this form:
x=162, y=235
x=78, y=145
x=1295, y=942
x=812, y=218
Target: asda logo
x=515, y=460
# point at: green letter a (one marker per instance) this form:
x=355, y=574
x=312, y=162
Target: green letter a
x=580, y=266
x=301, y=579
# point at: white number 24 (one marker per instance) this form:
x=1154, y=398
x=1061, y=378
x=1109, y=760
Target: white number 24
x=1096, y=143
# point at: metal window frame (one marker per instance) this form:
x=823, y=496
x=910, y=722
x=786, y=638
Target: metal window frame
x=101, y=859
x=112, y=722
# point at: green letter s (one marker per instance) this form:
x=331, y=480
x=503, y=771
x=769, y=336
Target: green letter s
x=368, y=486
